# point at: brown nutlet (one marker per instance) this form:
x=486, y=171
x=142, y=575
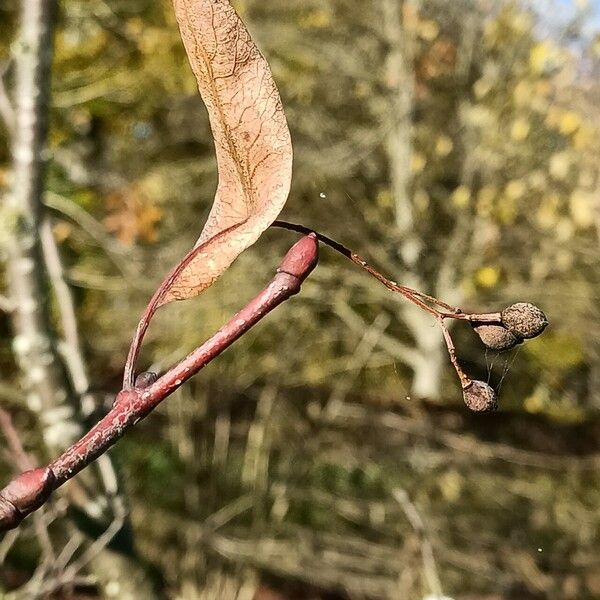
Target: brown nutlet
x=495, y=337
x=480, y=397
x=524, y=320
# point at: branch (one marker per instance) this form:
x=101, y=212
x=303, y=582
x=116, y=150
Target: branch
x=73, y=354
x=31, y=489
x=5, y=304
x=7, y=112
x=414, y=518
x=498, y=330
x=386, y=342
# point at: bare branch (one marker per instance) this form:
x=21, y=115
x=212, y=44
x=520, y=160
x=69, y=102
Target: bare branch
x=414, y=518
x=31, y=489
x=389, y=344
x=66, y=308
x=7, y=112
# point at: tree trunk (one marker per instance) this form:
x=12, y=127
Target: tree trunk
x=399, y=75
x=430, y=359
x=429, y=352
x=44, y=377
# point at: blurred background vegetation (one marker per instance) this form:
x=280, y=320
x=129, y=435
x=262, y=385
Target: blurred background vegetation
x=328, y=454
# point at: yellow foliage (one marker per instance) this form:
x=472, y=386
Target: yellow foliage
x=506, y=210
x=542, y=88
x=461, y=196
x=562, y=409
x=421, y=200
x=547, y=213
x=417, y=162
x=134, y=27
x=538, y=401
x=569, y=122
x=362, y=89
x=481, y=87
x=537, y=180
x=485, y=199
x=553, y=117
x=515, y=189
x=451, y=484
x=510, y=24
x=487, y=277
x=428, y=30
x=583, y=207
x=560, y=164
x=316, y=19
x=480, y=116
x=521, y=22
x=522, y=93
x=583, y=138
x=85, y=198
x=443, y=146
x=519, y=129
x=544, y=56
x=564, y=260
x=155, y=185
x=565, y=229
x=384, y=199
x=587, y=177
x=71, y=47
x=156, y=40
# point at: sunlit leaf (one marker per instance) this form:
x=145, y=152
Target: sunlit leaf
x=252, y=141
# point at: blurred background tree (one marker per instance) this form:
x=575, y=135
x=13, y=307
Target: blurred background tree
x=455, y=144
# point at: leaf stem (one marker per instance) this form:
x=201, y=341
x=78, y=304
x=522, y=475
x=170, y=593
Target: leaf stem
x=414, y=296
x=157, y=300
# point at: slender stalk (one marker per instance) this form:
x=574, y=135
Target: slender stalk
x=156, y=301
x=410, y=294
x=414, y=296
x=465, y=380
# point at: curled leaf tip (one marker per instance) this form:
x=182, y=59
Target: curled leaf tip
x=251, y=135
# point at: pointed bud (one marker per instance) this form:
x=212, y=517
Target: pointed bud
x=524, y=320
x=480, y=397
x=495, y=337
x=144, y=380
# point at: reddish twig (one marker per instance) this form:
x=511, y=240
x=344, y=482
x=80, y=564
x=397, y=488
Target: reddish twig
x=31, y=489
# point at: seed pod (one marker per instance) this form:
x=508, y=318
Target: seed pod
x=480, y=397
x=524, y=320
x=495, y=337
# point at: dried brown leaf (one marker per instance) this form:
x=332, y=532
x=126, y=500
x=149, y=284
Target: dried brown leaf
x=252, y=141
